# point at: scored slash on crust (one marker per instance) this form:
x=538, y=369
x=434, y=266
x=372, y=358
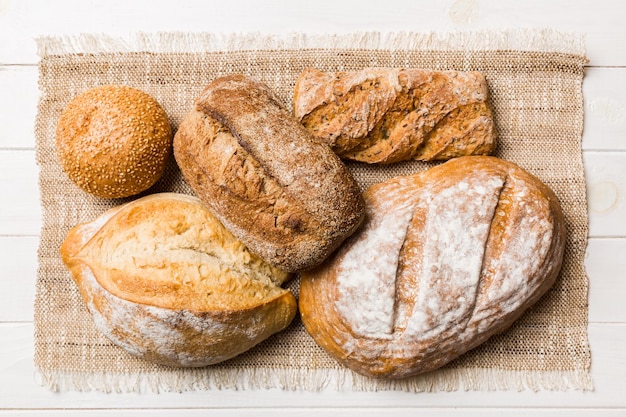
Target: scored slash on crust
x=446, y=259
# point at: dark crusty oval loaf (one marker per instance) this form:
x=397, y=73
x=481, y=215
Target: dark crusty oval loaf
x=163, y=279
x=288, y=197
x=385, y=115
x=445, y=259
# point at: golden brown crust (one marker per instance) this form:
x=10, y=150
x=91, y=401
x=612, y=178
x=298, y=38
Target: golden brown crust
x=446, y=259
x=388, y=115
x=286, y=196
x=113, y=141
x=163, y=279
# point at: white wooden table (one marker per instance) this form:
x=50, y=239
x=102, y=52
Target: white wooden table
x=604, y=144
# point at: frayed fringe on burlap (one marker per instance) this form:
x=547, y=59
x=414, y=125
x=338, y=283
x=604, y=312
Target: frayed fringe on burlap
x=468, y=379
x=543, y=40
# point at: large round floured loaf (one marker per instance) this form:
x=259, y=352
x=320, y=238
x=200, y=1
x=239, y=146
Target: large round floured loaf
x=163, y=279
x=288, y=197
x=446, y=259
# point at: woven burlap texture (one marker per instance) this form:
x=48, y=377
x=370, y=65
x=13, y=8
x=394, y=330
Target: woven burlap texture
x=537, y=99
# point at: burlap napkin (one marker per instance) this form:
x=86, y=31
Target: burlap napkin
x=536, y=84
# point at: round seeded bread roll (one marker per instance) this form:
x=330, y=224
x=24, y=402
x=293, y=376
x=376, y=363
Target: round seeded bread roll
x=446, y=258
x=163, y=279
x=113, y=141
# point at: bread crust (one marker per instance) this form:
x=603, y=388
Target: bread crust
x=386, y=115
x=164, y=280
x=446, y=259
x=288, y=197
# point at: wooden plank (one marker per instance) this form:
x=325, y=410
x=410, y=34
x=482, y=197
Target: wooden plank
x=20, y=215
x=19, y=267
x=604, y=263
x=606, y=190
x=19, y=389
x=18, y=106
x=601, y=20
x=606, y=268
x=606, y=193
x=606, y=185
x=604, y=91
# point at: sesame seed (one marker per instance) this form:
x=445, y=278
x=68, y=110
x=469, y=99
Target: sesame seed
x=107, y=128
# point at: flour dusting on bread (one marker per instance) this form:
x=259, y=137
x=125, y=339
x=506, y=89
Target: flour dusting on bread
x=458, y=222
x=446, y=258
x=366, y=277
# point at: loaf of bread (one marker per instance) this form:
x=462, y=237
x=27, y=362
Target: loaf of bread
x=166, y=281
x=288, y=197
x=113, y=141
x=446, y=259
x=388, y=115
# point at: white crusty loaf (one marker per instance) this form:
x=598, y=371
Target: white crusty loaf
x=385, y=115
x=288, y=197
x=446, y=259
x=166, y=281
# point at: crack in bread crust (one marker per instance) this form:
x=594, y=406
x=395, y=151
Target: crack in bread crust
x=185, y=260
x=247, y=185
x=288, y=197
x=391, y=115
